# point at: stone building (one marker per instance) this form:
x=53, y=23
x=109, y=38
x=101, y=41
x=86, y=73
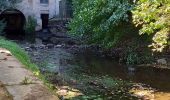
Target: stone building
x=41, y=10
x=16, y=17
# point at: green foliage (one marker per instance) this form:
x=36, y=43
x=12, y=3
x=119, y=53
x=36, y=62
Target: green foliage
x=110, y=22
x=5, y=4
x=103, y=21
x=135, y=54
x=18, y=53
x=98, y=21
x=30, y=25
x=153, y=16
x=132, y=58
x=24, y=59
x=2, y=26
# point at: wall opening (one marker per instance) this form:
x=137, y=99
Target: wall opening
x=44, y=18
x=15, y=21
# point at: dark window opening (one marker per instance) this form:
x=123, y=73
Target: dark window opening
x=44, y=1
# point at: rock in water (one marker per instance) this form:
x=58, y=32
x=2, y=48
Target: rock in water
x=162, y=61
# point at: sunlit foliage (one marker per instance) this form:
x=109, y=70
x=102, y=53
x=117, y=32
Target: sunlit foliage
x=153, y=16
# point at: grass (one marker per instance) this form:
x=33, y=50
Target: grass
x=18, y=53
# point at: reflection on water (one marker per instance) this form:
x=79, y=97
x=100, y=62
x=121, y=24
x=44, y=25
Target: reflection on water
x=154, y=77
x=61, y=60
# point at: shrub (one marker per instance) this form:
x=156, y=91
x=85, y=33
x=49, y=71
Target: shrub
x=137, y=53
x=99, y=21
x=2, y=26
x=30, y=25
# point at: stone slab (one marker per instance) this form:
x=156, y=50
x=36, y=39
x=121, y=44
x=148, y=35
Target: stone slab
x=30, y=92
x=20, y=82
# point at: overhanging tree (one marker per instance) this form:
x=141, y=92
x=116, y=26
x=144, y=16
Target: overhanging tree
x=153, y=16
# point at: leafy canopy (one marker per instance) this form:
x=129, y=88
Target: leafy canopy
x=103, y=21
x=153, y=16
x=97, y=20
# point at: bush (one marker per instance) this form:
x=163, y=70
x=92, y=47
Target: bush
x=99, y=21
x=30, y=25
x=2, y=26
x=137, y=53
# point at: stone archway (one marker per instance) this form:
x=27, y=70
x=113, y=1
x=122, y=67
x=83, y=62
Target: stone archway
x=15, y=21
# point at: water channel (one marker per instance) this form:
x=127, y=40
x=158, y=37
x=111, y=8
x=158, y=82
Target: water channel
x=98, y=77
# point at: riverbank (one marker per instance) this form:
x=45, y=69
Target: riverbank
x=81, y=71
x=16, y=78
x=20, y=82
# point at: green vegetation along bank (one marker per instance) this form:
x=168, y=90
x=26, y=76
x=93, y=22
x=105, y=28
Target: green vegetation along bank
x=23, y=57
x=142, y=26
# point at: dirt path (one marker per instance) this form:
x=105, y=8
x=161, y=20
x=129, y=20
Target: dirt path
x=19, y=82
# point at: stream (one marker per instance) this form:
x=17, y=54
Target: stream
x=90, y=77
